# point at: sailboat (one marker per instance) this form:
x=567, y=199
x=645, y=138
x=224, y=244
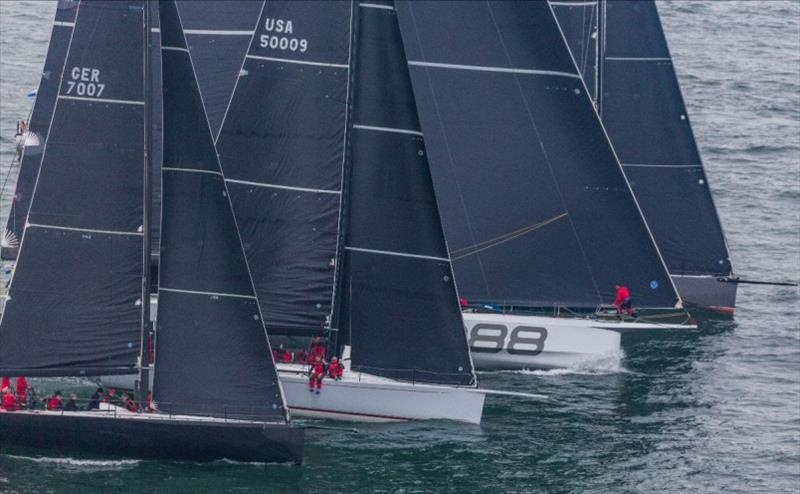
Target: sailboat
x=77, y=298
x=537, y=211
x=628, y=67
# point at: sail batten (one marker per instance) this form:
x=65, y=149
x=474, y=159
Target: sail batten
x=74, y=304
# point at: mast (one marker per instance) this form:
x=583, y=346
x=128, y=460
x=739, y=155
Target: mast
x=144, y=360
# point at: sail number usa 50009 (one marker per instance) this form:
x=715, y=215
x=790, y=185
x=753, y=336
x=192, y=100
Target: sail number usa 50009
x=279, y=37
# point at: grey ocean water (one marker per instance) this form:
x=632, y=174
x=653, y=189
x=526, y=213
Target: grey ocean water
x=714, y=410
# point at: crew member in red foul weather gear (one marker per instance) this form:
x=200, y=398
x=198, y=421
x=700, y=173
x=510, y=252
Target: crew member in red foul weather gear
x=316, y=374
x=335, y=369
x=317, y=348
x=623, y=300
x=9, y=400
x=54, y=401
x=5, y=382
x=22, y=389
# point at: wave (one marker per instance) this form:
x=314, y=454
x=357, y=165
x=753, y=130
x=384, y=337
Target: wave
x=596, y=365
x=82, y=464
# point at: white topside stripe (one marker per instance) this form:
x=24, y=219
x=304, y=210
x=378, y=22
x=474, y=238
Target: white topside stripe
x=301, y=62
x=85, y=230
x=483, y=68
x=285, y=187
x=400, y=254
x=102, y=100
x=207, y=294
x=388, y=129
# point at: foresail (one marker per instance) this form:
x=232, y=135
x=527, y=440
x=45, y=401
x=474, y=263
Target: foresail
x=399, y=308
x=646, y=118
x=579, y=22
x=282, y=149
x=212, y=353
x=75, y=301
x=38, y=126
x=535, y=206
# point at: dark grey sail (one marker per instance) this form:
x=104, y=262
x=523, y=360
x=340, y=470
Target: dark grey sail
x=211, y=340
x=579, y=22
x=38, y=126
x=536, y=209
x=219, y=34
x=643, y=110
x=75, y=301
x=398, y=308
x=282, y=149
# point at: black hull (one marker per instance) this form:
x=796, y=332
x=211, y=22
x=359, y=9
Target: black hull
x=706, y=293
x=144, y=438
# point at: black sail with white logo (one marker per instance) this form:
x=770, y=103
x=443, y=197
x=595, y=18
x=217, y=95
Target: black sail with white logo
x=535, y=206
x=282, y=150
x=399, y=310
x=75, y=301
x=212, y=353
x=38, y=126
x=643, y=109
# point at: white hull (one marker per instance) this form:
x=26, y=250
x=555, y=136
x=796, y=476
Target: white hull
x=366, y=398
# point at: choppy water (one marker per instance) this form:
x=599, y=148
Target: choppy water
x=716, y=410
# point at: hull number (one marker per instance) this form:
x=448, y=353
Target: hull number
x=495, y=338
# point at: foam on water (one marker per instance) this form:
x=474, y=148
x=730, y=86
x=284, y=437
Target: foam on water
x=78, y=463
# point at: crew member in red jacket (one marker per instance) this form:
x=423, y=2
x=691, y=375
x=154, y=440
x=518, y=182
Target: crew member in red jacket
x=9, y=400
x=317, y=348
x=22, y=389
x=316, y=374
x=335, y=369
x=54, y=401
x=5, y=382
x=623, y=300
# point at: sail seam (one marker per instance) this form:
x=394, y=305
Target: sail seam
x=399, y=254
x=376, y=6
x=221, y=32
x=211, y=294
x=641, y=59
x=102, y=100
x=641, y=165
x=301, y=62
x=486, y=68
x=175, y=48
x=87, y=230
x=388, y=129
x=190, y=170
x=286, y=187
x=573, y=4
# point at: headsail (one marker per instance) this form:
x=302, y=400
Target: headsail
x=213, y=357
x=74, y=304
x=38, y=126
x=398, y=305
x=643, y=109
x=536, y=208
x=282, y=149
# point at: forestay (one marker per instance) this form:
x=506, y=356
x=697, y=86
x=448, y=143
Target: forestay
x=579, y=22
x=38, y=126
x=213, y=356
x=75, y=301
x=643, y=110
x=282, y=150
x=536, y=208
x=398, y=304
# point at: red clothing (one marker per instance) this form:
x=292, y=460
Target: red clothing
x=302, y=357
x=54, y=402
x=5, y=383
x=317, y=373
x=22, y=388
x=130, y=405
x=9, y=402
x=335, y=370
x=622, y=294
x=286, y=356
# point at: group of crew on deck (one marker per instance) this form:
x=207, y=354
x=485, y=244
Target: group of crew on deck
x=20, y=397
x=314, y=358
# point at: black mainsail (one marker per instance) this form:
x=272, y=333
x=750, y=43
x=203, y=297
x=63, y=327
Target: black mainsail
x=74, y=305
x=397, y=307
x=211, y=335
x=38, y=126
x=282, y=149
x=536, y=208
x=643, y=110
